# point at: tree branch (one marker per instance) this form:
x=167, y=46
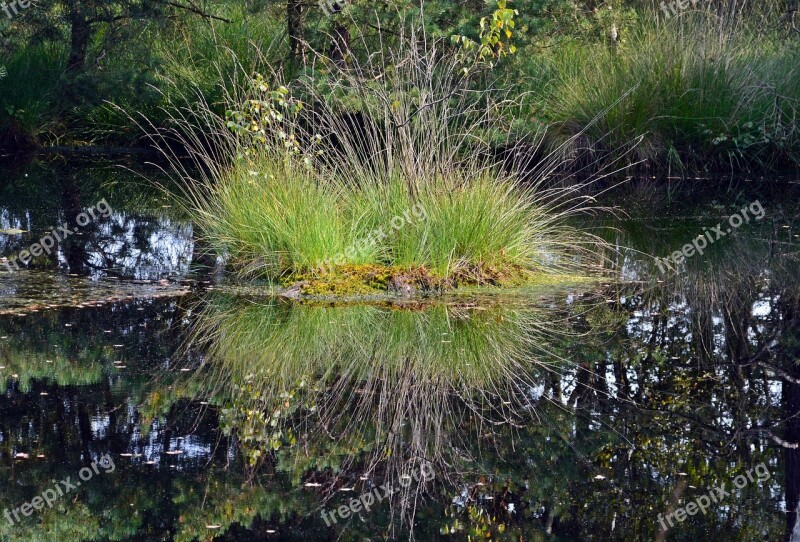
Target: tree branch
x=196, y=10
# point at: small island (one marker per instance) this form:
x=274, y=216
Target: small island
x=419, y=192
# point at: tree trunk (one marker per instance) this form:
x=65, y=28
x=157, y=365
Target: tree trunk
x=791, y=405
x=294, y=27
x=79, y=39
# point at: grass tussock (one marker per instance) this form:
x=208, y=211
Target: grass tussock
x=699, y=91
x=327, y=236
x=387, y=176
x=27, y=98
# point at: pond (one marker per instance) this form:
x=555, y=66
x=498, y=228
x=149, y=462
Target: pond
x=145, y=396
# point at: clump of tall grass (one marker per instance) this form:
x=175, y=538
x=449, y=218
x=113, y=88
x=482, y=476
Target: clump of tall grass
x=701, y=87
x=291, y=187
x=27, y=100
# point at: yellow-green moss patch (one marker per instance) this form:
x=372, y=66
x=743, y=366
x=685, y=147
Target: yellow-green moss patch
x=352, y=279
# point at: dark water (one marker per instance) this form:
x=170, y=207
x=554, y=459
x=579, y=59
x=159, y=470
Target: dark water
x=570, y=412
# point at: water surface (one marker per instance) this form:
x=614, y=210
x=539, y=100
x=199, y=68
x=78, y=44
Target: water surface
x=578, y=412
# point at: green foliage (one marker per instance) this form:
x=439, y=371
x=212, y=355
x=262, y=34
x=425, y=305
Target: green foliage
x=261, y=119
x=258, y=429
x=715, y=86
x=27, y=94
x=492, y=33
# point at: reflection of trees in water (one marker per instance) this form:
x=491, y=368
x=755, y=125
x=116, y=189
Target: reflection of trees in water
x=656, y=396
x=70, y=405
x=683, y=407
x=420, y=398
x=788, y=356
x=705, y=380
x=141, y=240
x=124, y=244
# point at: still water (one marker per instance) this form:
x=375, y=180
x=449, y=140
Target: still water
x=144, y=397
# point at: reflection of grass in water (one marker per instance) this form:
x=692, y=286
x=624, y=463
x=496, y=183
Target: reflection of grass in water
x=459, y=345
x=746, y=260
x=356, y=396
x=396, y=383
x=25, y=365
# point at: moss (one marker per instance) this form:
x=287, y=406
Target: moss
x=366, y=279
x=352, y=279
